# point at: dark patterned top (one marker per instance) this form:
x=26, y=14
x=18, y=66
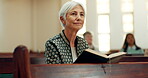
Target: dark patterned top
x=58, y=50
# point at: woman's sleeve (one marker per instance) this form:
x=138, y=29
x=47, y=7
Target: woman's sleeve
x=51, y=54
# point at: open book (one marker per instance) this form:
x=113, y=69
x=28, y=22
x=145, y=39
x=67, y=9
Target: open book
x=91, y=56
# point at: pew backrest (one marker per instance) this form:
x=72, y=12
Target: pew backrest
x=22, y=62
x=90, y=71
x=27, y=70
x=6, y=65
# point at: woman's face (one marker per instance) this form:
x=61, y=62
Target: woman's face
x=88, y=38
x=74, y=18
x=130, y=40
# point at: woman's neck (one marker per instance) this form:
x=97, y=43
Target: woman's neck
x=131, y=45
x=71, y=36
x=89, y=43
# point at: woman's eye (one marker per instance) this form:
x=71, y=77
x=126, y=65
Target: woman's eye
x=73, y=14
x=82, y=14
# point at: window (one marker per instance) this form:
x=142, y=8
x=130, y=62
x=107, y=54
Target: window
x=102, y=6
x=103, y=11
x=127, y=5
x=127, y=20
x=127, y=16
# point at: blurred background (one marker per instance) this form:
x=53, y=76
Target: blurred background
x=33, y=22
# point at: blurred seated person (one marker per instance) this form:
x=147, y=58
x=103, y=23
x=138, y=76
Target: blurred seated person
x=65, y=47
x=130, y=45
x=88, y=37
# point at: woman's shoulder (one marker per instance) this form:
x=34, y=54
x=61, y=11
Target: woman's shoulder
x=80, y=38
x=141, y=50
x=54, y=39
x=82, y=41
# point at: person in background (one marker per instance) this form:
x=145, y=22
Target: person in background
x=88, y=37
x=130, y=45
x=65, y=47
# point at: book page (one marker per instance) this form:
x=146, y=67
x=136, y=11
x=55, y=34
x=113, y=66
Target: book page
x=97, y=53
x=116, y=54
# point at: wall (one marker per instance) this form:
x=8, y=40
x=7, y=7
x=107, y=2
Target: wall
x=116, y=27
x=15, y=24
x=91, y=20
x=141, y=23
x=45, y=22
x=28, y=22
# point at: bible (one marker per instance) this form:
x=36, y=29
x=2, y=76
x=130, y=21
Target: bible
x=92, y=56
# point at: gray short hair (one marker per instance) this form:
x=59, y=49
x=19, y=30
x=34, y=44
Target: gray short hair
x=66, y=7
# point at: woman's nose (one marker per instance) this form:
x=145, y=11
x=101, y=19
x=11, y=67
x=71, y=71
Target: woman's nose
x=79, y=17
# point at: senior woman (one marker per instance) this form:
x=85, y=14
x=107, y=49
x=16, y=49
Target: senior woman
x=65, y=47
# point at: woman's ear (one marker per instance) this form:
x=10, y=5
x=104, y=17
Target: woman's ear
x=62, y=20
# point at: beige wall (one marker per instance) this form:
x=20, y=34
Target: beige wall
x=28, y=22
x=15, y=25
x=45, y=21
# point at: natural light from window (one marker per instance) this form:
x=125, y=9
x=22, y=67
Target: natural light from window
x=104, y=42
x=103, y=10
x=102, y=6
x=127, y=6
x=127, y=23
x=103, y=24
x=127, y=16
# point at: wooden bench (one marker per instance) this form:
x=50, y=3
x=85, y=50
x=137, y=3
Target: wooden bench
x=7, y=65
x=27, y=70
x=134, y=59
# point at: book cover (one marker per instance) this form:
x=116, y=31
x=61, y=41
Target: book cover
x=91, y=56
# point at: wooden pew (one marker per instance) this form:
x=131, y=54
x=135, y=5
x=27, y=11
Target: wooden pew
x=134, y=59
x=6, y=55
x=7, y=65
x=37, y=57
x=90, y=71
x=27, y=70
